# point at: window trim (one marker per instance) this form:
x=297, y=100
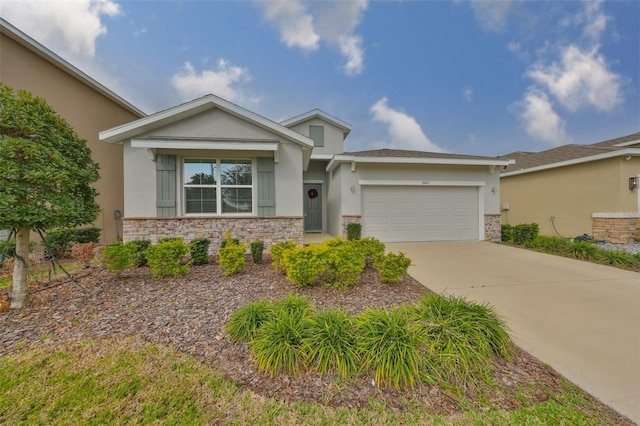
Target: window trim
x=218, y=186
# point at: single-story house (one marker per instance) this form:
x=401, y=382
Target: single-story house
x=209, y=166
x=576, y=189
x=85, y=104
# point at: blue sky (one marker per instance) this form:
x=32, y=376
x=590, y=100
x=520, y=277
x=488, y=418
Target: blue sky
x=480, y=77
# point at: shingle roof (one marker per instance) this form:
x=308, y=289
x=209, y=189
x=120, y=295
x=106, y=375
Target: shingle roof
x=528, y=160
x=401, y=153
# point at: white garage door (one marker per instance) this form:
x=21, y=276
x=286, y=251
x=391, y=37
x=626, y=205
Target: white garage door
x=414, y=213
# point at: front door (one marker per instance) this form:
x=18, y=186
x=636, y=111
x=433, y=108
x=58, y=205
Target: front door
x=312, y=207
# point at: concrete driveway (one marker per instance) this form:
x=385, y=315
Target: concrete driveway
x=582, y=319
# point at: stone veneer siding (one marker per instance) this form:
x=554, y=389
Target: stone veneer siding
x=492, y=228
x=618, y=228
x=347, y=219
x=271, y=230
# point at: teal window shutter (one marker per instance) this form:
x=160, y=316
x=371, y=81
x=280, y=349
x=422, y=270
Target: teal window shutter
x=165, y=185
x=317, y=134
x=266, y=187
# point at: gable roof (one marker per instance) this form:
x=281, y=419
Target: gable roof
x=318, y=113
x=526, y=162
x=398, y=156
x=24, y=40
x=189, y=109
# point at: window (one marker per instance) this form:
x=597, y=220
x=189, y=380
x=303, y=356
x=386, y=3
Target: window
x=218, y=186
x=317, y=134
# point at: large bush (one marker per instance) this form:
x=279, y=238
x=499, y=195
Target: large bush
x=231, y=255
x=167, y=258
x=119, y=256
x=520, y=234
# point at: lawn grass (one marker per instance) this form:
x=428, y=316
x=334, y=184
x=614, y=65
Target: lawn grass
x=131, y=381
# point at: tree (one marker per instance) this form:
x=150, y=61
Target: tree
x=46, y=173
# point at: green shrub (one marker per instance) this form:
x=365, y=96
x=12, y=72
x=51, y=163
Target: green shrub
x=119, y=256
x=277, y=255
x=331, y=343
x=305, y=265
x=199, y=251
x=392, y=267
x=60, y=241
x=354, y=231
x=231, y=256
x=519, y=234
x=525, y=232
x=169, y=239
x=87, y=235
x=462, y=339
x=551, y=245
x=278, y=344
x=583, y=250
x=343, y=265
x=371, y=248
x=166, y=259
x=617, y=258
x=389, y=343
x=8, y=248
x=245, y=322
x=229, y=241
x=256, y=251
x=507, y=233
x=141, y=248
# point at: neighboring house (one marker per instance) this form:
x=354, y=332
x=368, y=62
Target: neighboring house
x=83, y=102
x=576, y=189
x=209, y=166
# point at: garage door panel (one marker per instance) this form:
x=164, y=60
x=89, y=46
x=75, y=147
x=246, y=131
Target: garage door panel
x=399, y=213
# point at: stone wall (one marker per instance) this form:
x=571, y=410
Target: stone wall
x=271, y=230
x=618, y=228
x=346, y=220
x=492, y=228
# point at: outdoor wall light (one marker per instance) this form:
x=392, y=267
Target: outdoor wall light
x=633, y=183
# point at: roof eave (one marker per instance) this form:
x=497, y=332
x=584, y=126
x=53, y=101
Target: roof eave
x=612, y=154
x=338, y=159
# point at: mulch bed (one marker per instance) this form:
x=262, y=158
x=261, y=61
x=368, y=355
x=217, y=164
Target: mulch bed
x=190, y=313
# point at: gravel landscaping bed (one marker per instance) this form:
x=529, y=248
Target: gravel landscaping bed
x=190, y=313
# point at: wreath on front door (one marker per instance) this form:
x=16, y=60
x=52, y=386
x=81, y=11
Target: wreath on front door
x=312, y=193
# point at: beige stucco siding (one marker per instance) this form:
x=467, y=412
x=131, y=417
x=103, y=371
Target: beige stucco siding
x=333, y=136
x=87, y=111
x=570, y=194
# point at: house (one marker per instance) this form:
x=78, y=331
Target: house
x=84, y=103
x=209, y=166
x=576, y=189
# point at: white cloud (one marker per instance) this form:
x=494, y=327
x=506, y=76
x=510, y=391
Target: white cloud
x=307, y=24
x=467, y=94
x=293, y=21
x=591, y=18
x=63, y=26
x=224, y=81
x=492, y=15
x=580, y=79
x=540, y=119
x=404, y=131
